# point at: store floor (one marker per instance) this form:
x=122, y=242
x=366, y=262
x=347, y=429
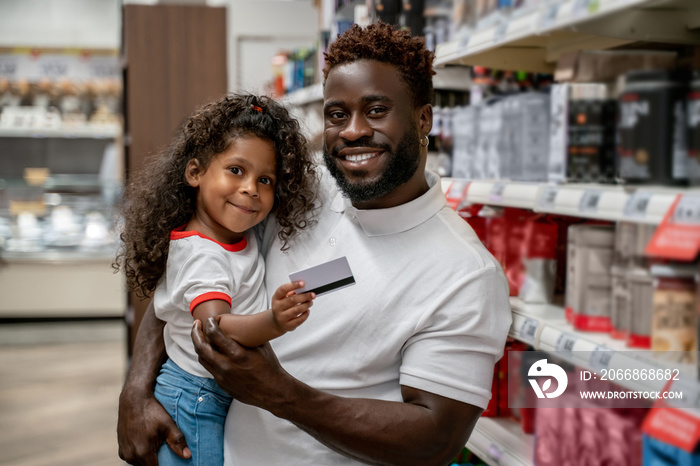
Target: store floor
x=59, y=387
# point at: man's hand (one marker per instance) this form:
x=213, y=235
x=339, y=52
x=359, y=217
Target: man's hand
x=142, y=427
x=251, y=375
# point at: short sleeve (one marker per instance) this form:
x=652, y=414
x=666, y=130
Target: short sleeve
x=460, y=339
x=202, y=277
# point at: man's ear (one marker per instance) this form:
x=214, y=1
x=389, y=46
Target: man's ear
x=193, y=172
x=425, y=124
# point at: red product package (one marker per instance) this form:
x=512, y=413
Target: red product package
x=538, y=258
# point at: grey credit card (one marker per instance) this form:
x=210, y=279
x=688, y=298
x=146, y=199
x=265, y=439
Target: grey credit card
x=324, y=278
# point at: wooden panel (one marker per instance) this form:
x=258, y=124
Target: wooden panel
x=176, y=61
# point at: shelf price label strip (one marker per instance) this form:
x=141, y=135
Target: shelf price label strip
x=678, y=235
x=547, y=198
x=589, y=201
x=637, y=204
x=528, y=330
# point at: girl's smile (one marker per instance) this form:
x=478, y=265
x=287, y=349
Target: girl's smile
x=236, y=191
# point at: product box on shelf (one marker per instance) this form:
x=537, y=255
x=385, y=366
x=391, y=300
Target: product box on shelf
x=652, y=128
x=674, y=322
x=606, y=65
x=588, y=279
x=693, y=136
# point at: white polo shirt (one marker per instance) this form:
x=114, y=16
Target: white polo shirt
x=429, y=310
x=201, y=269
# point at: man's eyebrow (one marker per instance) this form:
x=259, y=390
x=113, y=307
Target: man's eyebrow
x=365, y=99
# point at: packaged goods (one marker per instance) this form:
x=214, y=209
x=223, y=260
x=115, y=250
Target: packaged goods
x=589, y=280
x=693, y=108
x=463, y=143
x=620, y=303
x=582, y=434
x=652, y=128
x=539, y=251
x=595, y=66
x=558, y=132
x=591, y=135
x=674, y=323
x=528, y=117
x=491, y=145
x=641, y=292
x=657, y=452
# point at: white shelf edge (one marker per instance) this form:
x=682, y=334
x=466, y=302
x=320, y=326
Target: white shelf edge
x=68, y=133
x=568, y=197
x=499, y=441
x=550, y=324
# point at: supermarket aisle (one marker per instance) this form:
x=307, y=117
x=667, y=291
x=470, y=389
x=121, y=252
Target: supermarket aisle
x=59, y=386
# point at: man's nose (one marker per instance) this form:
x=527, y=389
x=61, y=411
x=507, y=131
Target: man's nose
x=357, y=127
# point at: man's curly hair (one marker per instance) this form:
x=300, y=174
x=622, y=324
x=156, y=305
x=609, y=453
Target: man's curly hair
x=385, y=43
x=159, y=199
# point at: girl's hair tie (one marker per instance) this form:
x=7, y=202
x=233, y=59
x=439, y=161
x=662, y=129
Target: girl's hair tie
x=256, y=108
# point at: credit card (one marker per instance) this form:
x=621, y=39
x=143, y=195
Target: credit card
x=324, y=278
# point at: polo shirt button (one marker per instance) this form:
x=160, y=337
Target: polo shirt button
x=331, y=241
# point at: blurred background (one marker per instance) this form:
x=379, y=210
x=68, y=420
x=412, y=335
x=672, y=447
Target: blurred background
x=566, y=133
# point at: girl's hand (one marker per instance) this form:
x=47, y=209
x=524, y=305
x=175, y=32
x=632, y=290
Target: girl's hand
x=290, y=310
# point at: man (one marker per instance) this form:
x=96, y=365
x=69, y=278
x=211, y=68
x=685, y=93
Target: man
x=395, y=369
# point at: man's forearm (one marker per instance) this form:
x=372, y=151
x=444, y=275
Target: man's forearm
x=148, y=353
x=429, y=431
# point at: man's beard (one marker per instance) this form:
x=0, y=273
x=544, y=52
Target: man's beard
x=401, y=166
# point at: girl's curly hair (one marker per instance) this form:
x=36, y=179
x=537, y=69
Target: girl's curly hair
x=385, y=43
x=159, y=199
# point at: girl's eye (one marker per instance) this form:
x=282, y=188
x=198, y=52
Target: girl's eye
x=266, y=180
x=235, y=170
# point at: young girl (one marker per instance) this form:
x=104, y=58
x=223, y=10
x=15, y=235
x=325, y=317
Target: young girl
x=188, y=240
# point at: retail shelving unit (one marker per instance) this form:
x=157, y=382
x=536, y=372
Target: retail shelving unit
x=74, y=277
x=532, y=41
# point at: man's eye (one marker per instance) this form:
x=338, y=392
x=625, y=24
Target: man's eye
x=376, y=110
x=235, y=170
x=336, y=115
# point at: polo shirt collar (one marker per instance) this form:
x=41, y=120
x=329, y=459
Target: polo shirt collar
x=380, y=222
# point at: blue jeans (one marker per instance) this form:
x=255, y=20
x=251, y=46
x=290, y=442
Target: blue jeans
x=199, y=407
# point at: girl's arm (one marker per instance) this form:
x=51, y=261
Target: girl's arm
x=288, y=311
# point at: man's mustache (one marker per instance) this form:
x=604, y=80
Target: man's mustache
x=364, y=142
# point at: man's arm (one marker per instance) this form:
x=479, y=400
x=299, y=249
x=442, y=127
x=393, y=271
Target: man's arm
x=143, y=423
x=424, y=429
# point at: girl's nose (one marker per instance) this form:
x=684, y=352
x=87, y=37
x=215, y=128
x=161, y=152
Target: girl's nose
x=250, y=188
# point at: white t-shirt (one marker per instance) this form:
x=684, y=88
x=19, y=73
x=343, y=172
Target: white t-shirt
x=429, y=310
x=201, y=269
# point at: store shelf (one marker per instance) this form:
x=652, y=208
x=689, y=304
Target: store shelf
x=90, y=132
x=546, y=329
x=641, y=204
x=304, y=96
x=500, y=441
x=533, y=41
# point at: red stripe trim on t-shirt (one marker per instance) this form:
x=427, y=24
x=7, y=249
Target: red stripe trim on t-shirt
x=178, y=233
x=210, y=296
